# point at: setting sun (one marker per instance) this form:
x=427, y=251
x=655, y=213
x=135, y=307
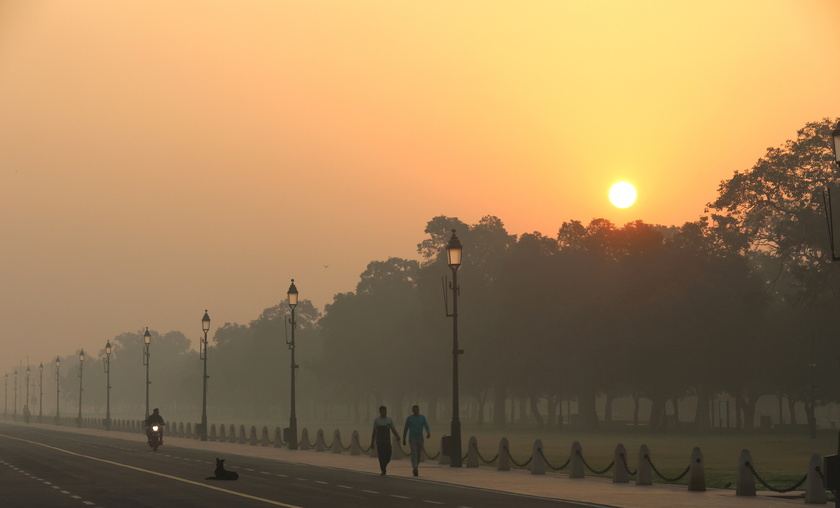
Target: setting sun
x=622, y=194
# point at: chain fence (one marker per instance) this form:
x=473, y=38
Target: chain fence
x=594, y=471
x=776, y=489
x=547, y=463
x=230, y=434
x=662, y=476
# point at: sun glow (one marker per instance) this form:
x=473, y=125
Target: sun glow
x=622, y=194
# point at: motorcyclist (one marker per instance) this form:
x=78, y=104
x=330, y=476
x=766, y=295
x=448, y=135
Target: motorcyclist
x=154, y=418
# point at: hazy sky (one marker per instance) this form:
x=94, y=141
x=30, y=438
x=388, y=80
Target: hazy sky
x=162, y=157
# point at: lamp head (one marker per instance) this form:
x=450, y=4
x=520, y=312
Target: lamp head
x=293, y=295
x=205, y=322
x=147, y=337
x=108, y=348
x=835, y=143
x=57, y=362
x=454, y=251
x=82, y=355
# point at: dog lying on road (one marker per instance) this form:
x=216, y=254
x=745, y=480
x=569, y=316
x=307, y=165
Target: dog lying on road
x=222, y=473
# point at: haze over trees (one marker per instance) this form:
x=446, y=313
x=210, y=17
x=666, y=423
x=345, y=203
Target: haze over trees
x=740, y=302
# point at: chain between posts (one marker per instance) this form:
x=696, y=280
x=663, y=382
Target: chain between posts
x=594, y=471
x=311, y=445
x=431, y=457
x=488, y=462
x=676, y=479
x=340, y=444
x=774, y=489
x=517, y=464
x=547, y=463
x=626, y=467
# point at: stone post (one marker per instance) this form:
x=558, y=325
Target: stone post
x=304, y=439
x=504, y=455
x=576, y=469
x=620, y=472
x=337, y=448
x=696, y=472
x=746, y=480
x=644, y=473
x=537, y=461
x=472, y=452
x=814, y=486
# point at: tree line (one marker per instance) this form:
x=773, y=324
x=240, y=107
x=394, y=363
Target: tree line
x=741, y=301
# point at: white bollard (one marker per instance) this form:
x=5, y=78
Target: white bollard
x=746, y=480
x=814, y=485
x=620, y=472
x=696, y=472
x=472, y=452
x=576, y=468
x=504, y=455
x=644, y=473
x=537, y=461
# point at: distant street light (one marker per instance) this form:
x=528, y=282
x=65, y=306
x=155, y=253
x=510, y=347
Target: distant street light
x=6, y=396
x=81, y=378
x=14, y=415
x=293, y=301
x=205, y=327
x=57, y=390
x=26, y=401
x=453, y=254
x=41, y=393
x=107, y=361
x=147, y=339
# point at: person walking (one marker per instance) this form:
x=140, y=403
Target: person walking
x=415, y=424
x=381, y=439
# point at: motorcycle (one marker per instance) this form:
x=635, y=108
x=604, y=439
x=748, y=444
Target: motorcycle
x=155, y=436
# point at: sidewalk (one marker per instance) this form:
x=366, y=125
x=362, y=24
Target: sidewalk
x=598, y=491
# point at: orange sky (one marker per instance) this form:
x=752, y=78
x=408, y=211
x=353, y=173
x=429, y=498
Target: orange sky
x=162, y=157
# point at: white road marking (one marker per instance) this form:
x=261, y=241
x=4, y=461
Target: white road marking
x=370, y=491
x=400, y=497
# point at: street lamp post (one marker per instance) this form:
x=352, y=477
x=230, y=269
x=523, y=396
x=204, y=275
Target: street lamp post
x=14, y=414
x=107, y=361
x=57, y=389
x=293, y=301
x=453, y=254
x=81, y=378
x=205, y=327
x=6, y=395
x=26, y=401
x=835, y=146
x=41, y=392
x=147, y=339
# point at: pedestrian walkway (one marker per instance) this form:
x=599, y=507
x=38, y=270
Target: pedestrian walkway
x=597, y=491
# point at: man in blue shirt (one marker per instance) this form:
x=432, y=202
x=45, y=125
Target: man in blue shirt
x=414, y=426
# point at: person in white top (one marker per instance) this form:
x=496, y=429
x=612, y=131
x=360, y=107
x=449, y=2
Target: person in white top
x=381, y=440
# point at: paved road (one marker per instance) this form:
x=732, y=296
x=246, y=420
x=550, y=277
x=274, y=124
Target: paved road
x=43, y=466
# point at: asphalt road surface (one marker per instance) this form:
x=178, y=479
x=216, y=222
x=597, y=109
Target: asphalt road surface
x=50, y=468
